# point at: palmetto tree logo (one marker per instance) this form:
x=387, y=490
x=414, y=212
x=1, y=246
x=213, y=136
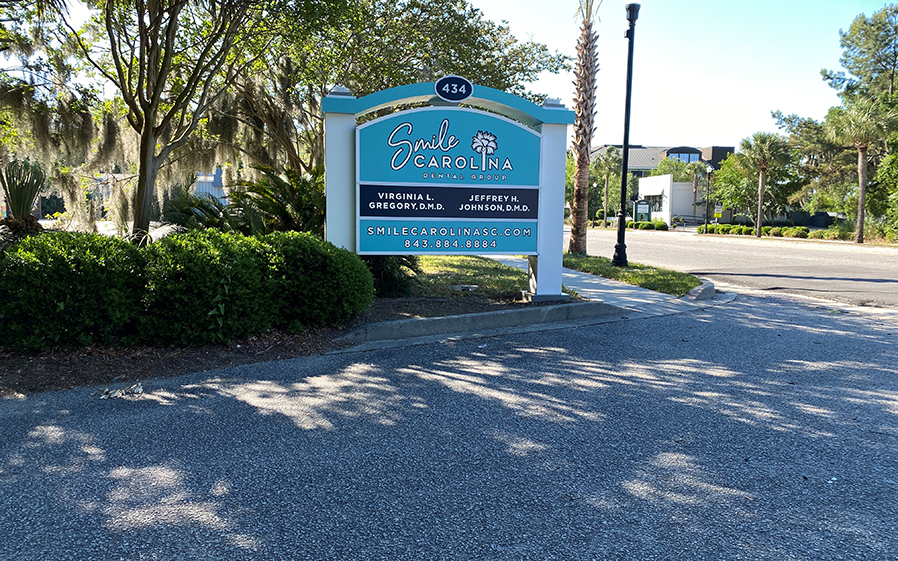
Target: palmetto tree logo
x=484, y=143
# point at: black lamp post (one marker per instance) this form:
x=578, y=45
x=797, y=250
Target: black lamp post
x=708, y=199
x=620, y=249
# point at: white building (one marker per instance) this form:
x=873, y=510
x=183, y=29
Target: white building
x=670, y=199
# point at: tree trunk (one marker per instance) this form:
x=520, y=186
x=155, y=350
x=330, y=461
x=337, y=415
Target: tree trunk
x=146, y=186
x=762, y=184
x=579, y=216
x=605, y=203
x=694, y=193
x=584, y=127
x=861, y=192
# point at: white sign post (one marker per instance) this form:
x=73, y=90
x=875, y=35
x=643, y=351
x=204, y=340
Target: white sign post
x=483, y=178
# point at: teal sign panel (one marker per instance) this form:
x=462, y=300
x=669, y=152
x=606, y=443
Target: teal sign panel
x=451, y=237
x=448, y=146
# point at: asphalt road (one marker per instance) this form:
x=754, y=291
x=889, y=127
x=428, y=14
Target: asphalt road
x=842, y=271
x=762, y=429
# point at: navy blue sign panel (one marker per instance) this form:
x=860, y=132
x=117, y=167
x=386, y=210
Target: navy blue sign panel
x=454, y=89
x=447, y=202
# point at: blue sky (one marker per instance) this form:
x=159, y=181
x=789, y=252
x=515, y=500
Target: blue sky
x=704, y=73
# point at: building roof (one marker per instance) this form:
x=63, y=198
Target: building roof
x=647, y=157
x=640, y=157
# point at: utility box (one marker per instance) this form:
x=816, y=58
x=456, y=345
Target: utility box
x=642, y=211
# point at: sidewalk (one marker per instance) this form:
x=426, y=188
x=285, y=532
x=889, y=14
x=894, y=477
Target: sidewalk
x=608, y=301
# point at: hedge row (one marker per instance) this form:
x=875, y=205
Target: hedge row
x=643, y=225
x=65, y=288
x=776, y=232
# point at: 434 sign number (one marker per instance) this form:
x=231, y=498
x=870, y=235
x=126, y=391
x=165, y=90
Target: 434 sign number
x=453, y=88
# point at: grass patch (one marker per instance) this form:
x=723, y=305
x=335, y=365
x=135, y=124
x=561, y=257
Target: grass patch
x=440, y=273
x=659, y=280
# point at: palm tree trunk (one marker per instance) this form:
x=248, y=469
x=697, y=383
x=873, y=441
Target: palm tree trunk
x=861, y=192
x=584, y=127
x=579, y=217
x=605, y=204
x=694, y=192
x=762, y=184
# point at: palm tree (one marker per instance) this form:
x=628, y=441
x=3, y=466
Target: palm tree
x=861, y=123
x=607, y=165
x=584, y=121
x=697, y=170
x=761, y=151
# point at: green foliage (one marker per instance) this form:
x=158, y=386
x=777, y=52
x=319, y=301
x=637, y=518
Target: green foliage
x=195, y=212
x=22, y=183
x=796, y=232
x=188, y=302
x=607, y=166
x=316, y=283
x=645, y=225
x=65, y=288
x=826, y=171
x=673, y=166
x=817, y=235
x=394, y=275
x=839, y=231
x=892, y=213
x=765, y=231
x=292, y=202
x=868, y=55
x=661, y=225
x=69, y=288
x=736, y=185
x=776, y=232
x=747, y=231
x=723, y=229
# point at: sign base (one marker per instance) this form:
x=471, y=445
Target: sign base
x=540, y=298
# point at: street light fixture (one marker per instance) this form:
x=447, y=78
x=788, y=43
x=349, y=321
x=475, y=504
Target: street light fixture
x=620, y=249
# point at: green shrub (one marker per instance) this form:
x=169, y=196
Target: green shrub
x=723, y=228
x=818, y=235
x=394, y=275
x=765, y=231
x=645, y=225
x=631, y=224
x=69, y=288
x=776, y=232
x=836, y=233
x=206, y=285
x=796, y=232
x=316, y=282
x=661, y=225
x=746, y=231
x=712, y=228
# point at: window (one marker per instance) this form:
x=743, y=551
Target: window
x=683, y=157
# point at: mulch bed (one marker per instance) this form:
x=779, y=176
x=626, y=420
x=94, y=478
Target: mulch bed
x=62, y=369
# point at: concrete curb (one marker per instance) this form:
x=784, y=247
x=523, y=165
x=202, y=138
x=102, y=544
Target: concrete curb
x=413, y=328
x=704, y=292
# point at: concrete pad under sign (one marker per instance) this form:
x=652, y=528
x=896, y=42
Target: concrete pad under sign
x=542, y=298
x=408, y=328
